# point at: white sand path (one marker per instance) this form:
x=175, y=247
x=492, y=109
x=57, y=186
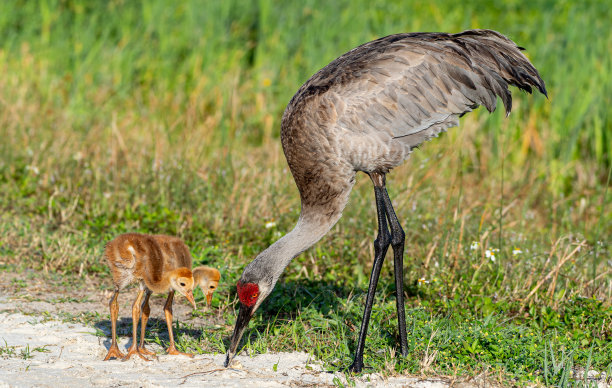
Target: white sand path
x=70, y=355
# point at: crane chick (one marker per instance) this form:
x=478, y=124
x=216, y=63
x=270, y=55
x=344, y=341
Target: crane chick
x=176, y=255
x=139, y=258
x=208, y=280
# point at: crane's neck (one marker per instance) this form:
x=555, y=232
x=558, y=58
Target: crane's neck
x=161, y=286
x=271, y=263
x=323, y=201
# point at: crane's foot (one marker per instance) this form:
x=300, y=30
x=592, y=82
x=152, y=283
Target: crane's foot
x=114, y=351
x=146, y=351
x=132, y=351
x=356, y=367
x=173, y=351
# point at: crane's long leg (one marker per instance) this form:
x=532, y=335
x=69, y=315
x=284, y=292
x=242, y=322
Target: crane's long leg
x=113, y=351
x=168, y=312
x=135, y=317
x=381, y=244
x=146, y=311
x=397, y=243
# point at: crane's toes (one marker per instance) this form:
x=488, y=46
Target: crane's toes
x=357, y=367
x=132, y=351
x=114, y=352
x=146, y=351
x=173, y=351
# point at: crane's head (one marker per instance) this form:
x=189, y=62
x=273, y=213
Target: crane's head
x=208, y=280
x=181, y=281
x=251, y=295
x=258, y=280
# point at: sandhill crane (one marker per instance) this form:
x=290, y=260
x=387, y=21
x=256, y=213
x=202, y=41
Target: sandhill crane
x=366, y=111
x=175, y=254
x=134, y=257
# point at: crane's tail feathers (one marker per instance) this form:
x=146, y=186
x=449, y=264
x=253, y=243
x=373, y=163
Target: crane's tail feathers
x=499, y=62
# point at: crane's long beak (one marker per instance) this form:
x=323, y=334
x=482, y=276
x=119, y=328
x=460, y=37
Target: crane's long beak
x=189, y=296
x=244, y=316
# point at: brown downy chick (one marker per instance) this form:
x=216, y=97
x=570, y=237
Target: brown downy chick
x=177, y=253
x=208, y=280
x=133, y=258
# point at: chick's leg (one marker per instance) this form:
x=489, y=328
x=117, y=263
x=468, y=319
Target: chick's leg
x=168, y=312
x=135, y=317
x=113, y=351
x=146, y=311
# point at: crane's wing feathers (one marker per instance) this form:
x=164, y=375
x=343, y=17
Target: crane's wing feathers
x=412, y=86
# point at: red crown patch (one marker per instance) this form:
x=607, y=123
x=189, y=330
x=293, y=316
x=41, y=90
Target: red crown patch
x=248, y=293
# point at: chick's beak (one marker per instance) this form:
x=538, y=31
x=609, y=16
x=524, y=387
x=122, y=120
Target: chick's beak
x=244, y=316
x=209, y=298
x=189, y=296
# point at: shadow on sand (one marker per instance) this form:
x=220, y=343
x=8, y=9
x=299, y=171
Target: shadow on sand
x=156, y=329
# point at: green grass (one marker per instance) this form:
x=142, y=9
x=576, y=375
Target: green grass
x=7, y=351
x=450, y=337
x=124, y=116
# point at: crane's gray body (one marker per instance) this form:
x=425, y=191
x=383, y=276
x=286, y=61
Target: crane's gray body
x=369, y=108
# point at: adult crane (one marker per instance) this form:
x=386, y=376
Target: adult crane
x=366, y=111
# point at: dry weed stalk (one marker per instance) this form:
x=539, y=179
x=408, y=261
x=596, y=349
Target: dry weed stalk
x=554, y=273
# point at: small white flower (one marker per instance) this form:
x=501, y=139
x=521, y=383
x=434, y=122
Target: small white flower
x=516, y=251
x=423, y=281
x=78, y=156
x=489, y=253
x=270, y=224
x=474, y=245
x=106, y=194
x=33, y=169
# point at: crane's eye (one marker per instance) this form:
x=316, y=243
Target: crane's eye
x=255, y=295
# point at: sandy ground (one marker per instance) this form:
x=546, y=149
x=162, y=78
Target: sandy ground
x=42, y=352
x=40, y=349
x=42, y=344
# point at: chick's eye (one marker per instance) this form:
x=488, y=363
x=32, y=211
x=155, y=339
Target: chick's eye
x=182, y=284
x=212, y=287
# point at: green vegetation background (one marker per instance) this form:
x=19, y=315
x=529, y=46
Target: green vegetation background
x=163, y=117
